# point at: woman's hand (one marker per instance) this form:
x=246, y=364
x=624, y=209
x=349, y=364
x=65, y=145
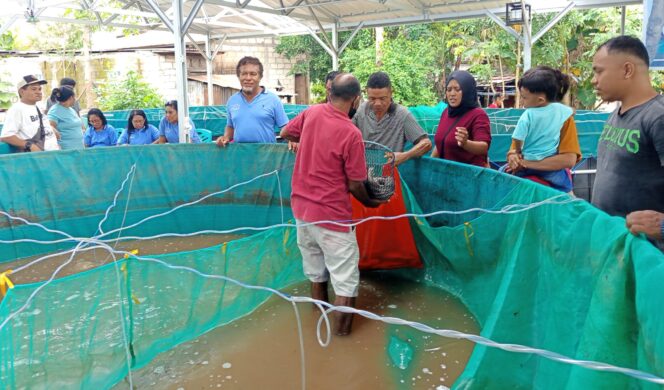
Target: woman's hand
x=461, y=136
x=57, y=134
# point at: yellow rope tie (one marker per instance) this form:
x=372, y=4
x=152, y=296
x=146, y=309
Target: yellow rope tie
x=5, y=283
x=123, y=268
x=223, y=248
x=286, y=236
x=468, y=232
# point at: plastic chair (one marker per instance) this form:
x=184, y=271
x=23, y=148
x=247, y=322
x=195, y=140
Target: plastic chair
x=205, y=135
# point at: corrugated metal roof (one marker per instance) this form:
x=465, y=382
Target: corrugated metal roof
x=254, y=18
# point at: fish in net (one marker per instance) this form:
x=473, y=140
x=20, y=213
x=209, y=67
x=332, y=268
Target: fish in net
x=380, y=171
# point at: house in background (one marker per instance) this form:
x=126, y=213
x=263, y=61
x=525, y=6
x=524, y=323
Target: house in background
x=151, y=55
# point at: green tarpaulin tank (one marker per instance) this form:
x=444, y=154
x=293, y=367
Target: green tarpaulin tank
x=533, y=266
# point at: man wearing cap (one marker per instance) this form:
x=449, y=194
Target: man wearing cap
x=26, y=128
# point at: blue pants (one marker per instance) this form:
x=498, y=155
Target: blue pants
x=560, y=180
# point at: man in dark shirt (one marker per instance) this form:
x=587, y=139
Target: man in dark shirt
x=630, y=153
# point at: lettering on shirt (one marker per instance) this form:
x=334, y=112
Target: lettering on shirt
x=617, y=138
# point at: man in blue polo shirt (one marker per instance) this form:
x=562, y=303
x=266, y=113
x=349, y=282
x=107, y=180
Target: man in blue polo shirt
x=253, y=113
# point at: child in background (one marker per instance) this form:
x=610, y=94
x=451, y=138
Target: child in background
x=537, y=134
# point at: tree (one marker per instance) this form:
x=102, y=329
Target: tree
x=419, y=58
x=129, y=93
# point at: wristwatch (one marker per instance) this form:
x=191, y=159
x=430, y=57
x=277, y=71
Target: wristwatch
x=28, y=146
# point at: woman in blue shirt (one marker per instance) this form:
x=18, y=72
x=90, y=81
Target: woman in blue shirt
x=138, y=131
x=168, y=127
x=65, y=120
x=99, y=132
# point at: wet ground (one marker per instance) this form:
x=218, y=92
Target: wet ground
x=261, y=351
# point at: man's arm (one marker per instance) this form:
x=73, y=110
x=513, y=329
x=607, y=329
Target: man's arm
x=415, y=134
x=422, y=147
x=293, y=129
x=360, y=193
x=19, y=143
x=286, y=135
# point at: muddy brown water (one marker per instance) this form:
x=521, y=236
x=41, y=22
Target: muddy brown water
x=261, y=351
x=86, y=260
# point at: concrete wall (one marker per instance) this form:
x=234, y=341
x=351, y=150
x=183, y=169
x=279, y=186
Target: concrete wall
x=157, y=68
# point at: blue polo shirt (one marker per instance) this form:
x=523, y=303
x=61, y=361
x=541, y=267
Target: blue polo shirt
x=256, y=121
x=107, y=136
x=170, y=131
x=142, y=136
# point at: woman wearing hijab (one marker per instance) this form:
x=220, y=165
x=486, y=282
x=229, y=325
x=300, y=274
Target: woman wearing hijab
x=464, y=131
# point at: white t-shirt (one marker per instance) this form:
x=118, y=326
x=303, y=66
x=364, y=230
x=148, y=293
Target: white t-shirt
x=22, y=120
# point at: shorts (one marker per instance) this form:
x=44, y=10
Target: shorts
x=329, y=254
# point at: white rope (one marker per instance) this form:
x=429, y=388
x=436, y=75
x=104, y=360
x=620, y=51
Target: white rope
x=508, y=209
x=599, y=366
x=303, y=367
x=517, y=348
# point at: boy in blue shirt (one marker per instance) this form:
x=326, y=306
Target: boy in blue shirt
x=537, y=134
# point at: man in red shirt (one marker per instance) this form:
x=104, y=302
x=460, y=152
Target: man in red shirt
x=330, y=163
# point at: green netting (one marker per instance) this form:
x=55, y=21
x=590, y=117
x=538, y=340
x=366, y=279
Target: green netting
x=566, y=278
x=503, y=121
x=212, y=118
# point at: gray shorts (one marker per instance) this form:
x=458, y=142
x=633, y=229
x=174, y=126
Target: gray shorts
x=328, y=254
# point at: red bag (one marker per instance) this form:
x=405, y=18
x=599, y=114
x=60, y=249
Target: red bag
x=386, y=244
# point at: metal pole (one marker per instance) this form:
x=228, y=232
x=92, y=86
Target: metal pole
x=335, y=47
x=623, y=11
x=180, y=71
x=527, y=38
x=209, y=61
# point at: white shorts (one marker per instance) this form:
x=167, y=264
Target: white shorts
x=328, y=254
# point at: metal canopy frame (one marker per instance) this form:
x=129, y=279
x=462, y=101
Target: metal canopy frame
x=224, y=20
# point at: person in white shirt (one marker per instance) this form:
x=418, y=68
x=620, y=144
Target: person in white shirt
x=26, y=128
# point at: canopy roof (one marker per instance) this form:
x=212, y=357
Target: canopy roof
x=254, y=18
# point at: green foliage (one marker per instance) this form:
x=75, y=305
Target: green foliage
x=412, y=67
x=7, y=40
x=7, y=94
x=311, y=57
x=130, y=93
x=418, y=58
x=318, y=92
